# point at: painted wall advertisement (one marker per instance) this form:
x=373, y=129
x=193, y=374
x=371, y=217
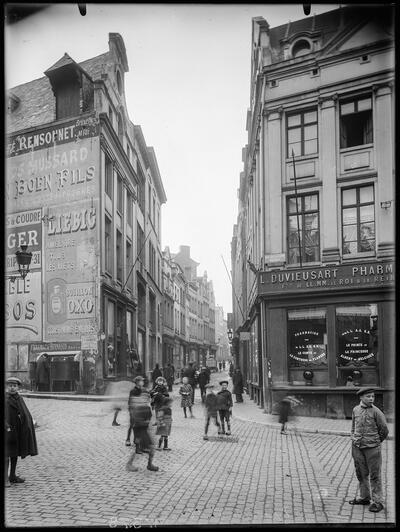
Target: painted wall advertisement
x=54, y=172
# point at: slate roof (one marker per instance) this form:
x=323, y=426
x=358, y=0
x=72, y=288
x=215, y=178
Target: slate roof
x=37, y=103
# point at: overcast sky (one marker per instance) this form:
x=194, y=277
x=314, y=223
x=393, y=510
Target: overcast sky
x=188, y=87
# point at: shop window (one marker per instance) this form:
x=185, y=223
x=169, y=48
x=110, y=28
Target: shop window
x=302, y=133
x=108, y=245
x=356, y=122
x=110, y=356
x=307, y=338
x=357, y=343
x=303, y=244
x=358, y=220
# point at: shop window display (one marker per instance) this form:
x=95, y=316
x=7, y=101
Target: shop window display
x=307, y=340
x=357, y=337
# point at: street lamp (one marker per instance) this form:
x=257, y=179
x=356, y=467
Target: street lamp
x=24, y=258
x=230, y=335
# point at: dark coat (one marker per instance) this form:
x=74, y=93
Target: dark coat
x=211, y=404
x=156, y=373
x=157, y=393
x=21, y=438
x=225, y=400
x=237, y=380
x=284, y=410
x=203, y=378
x=169, y=374
x=43, y=370
x=190, y=373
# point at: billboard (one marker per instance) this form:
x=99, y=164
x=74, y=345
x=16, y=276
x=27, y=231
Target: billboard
x=52, y=202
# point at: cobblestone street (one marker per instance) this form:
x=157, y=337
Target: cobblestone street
x=256, y=476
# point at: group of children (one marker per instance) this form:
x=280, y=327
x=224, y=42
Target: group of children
x=140, y=405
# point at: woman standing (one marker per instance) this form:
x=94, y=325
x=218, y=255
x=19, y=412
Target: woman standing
x=237, y=381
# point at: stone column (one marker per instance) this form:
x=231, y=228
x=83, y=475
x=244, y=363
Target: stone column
x=328, y=170
x=383, y=141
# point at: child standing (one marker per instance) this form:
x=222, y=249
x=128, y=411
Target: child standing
x=225, y=403
x=140, y=411
x=186, y=392
x=211, y=409
x=164, y=422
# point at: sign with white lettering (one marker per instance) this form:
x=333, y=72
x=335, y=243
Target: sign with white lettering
x=373, y=274
x=23, y=312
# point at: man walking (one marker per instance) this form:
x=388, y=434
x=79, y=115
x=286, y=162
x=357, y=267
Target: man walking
x=368, y=431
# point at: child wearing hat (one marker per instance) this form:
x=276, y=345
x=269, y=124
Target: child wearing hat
x=368, y=431
x=186, y=392
x=20, y=430
x=225, y=403
x=211, y=409
x=164, y=422
x=159, y=391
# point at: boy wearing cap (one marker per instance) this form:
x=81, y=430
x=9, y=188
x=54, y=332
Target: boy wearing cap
x=20, y=430
x=368, y=431
x=225, y=407
x=211, y=407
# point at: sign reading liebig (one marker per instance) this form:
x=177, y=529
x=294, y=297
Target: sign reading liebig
x=343, y=276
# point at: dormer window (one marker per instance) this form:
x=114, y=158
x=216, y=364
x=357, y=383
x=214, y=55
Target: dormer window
x=301, y=47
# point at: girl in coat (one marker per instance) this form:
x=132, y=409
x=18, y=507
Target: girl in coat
x=186, y=393
x=20, y=430
x=164, y=422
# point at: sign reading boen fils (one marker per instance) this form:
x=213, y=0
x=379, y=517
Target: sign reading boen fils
x=328, y=278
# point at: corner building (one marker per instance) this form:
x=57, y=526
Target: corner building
x=316, y=212
x=84, y=192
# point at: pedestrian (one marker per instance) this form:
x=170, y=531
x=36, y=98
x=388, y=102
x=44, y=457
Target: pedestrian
x=203, y=380
x=159, y=391
x=284, y=409
x=220, y=366
x=136, y=392
x=155, y=374
x=43, y=373
x=225, y=407
x=231, y=369
x=140, y=411
x=189, y=373
x=211, y=410
x=368, y=431
x=237, y=381
x=164, y=422
x=349, y=381
x=186, y=393
x=169, y=376
x=20, y=431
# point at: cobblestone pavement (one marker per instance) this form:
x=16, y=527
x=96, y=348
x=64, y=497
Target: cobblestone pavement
x=257, y=477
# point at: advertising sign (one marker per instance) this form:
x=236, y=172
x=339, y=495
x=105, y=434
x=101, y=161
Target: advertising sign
x=23, y=309
x=24, y=229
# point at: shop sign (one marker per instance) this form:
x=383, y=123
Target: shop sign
x=344, y=276
x=23, y=308
x=54, y=346
x=89, y=342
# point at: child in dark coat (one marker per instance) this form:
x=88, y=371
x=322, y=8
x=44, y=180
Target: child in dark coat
x=164, y=422
x=211, y=409
x=225, y=407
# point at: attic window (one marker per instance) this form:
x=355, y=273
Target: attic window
x=13, y=102
x=301, y=47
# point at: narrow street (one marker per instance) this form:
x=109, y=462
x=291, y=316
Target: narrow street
x=256, y=476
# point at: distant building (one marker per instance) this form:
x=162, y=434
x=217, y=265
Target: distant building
x=313, y=247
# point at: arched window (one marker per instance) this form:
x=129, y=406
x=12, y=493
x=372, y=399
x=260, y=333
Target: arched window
x=300, y=48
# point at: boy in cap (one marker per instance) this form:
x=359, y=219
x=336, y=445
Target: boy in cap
x=225, y=407
x=211, y=408
x=20, y=430
x=368, y=431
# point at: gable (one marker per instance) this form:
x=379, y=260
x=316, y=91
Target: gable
x=370, y=33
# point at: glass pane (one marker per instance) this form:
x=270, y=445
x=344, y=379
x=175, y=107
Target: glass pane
x=367, y=237
x=349, y=216
x=310, y=254
x=311, y=203
x=349, y=196
x=293, y=256
x=363, y=105
x=350, y=233
x=347, y=108
x=367, y=213
x=310, y=132
x=294, y=135
x=311, y=116
x=311, y=221
x=292, y=205
x=296, y=147
x=357, y=328
x=310, y=146
x=366, y=194
x=311, y=238
x=307, y=338
x=293, y=120
x=350, y=247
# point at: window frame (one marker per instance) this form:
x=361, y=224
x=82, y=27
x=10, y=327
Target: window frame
x=355, y=100
x=357, y=206
x=302, y=127
x=302, y=213
x=108, y=254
